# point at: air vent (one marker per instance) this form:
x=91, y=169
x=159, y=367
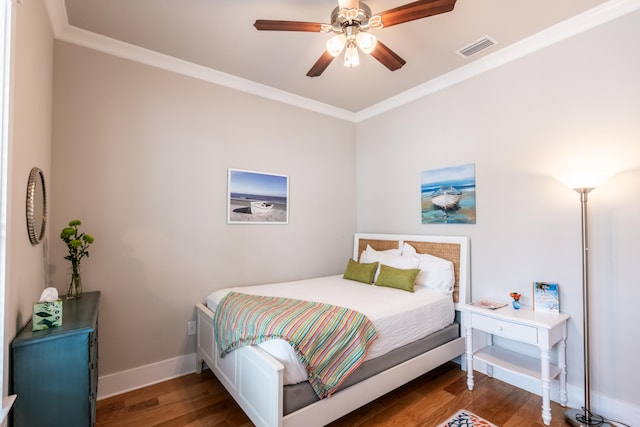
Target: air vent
x=477, y=46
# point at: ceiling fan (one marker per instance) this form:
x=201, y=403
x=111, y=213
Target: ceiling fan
x=351, y=22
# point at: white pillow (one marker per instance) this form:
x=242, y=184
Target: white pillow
x=435, y=273
x=390, y=257
x=371, y=255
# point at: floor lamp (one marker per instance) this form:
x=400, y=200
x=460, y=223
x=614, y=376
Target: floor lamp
x=583, y=184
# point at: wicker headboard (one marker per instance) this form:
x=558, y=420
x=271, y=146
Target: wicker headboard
x=452, y=248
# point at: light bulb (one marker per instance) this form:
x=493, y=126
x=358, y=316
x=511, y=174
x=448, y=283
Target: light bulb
x=351, y=57
x=584, y=179
x=336, y=44
x=366, y=42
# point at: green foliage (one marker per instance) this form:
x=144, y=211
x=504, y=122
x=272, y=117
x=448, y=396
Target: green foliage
x=77, y=243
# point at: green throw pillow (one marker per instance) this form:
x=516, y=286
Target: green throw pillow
x=397, y=277
x=360, y=272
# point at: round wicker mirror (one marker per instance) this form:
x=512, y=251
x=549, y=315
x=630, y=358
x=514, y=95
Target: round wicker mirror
x=36, y=206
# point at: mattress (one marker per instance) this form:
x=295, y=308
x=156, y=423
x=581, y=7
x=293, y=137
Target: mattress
x=399, y=317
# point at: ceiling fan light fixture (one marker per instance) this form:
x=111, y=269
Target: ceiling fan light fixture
x=352, y=17
x=348, y=4
x=375, y=22
x=351, y=57
x=367, y=42
x=335, y=44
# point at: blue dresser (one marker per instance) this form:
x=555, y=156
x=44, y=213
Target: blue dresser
x=55, y=371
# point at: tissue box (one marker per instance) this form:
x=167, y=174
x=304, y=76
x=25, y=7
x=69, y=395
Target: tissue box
x=47, y=315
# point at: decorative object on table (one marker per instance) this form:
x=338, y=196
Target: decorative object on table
x=36, y=206
x=47, y=312
x=546, y=297
x=488, y=303
x=583, y=184
x=516, y=300
x=464, y=418
x=257, y=198
x=78, y=245
x=448, y=195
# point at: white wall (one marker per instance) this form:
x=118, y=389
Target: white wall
x=140, y=155
x=571, y=106
x=29, y=146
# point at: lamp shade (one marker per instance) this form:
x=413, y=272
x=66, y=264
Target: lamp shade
x=336, y=44
x=367, y=42
x=584, y=179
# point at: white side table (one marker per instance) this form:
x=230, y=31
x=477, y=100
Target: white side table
x=541, y=329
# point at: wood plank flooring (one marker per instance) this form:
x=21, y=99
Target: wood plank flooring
x=200, y=400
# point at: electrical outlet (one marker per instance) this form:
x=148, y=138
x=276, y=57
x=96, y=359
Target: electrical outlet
x=191, y=328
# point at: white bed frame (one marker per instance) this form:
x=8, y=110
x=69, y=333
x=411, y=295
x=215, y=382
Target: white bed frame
x=255, y=379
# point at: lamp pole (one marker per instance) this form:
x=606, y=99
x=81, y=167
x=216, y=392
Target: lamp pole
x=583, y=183
x=576, y=417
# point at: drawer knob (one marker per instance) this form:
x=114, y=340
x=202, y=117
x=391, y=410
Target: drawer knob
x=499, y=327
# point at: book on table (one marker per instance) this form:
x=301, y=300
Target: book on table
x=546, y=296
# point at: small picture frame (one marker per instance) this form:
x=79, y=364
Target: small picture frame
x=257, y=198
x=546, y=297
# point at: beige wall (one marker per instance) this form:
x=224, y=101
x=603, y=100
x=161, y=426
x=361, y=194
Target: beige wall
x=140, y=155
x=573, y=105
x=29, y=146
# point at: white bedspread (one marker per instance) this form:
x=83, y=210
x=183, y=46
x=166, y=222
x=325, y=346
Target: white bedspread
x=398, y=316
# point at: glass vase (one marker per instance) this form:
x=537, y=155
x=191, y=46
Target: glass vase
x=516, y=304
x=74, y=279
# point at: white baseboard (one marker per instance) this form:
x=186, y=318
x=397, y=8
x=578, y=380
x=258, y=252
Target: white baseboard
x=611, y=409
x=131, y=379
x=605, y=406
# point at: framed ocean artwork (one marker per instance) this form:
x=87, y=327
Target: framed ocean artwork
x=257, y=198
x=448, y=195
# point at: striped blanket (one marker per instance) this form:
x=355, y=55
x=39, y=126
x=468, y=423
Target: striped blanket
x=331, y=342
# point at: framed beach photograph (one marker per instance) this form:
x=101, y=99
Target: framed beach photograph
x=257, y=198
x=448, y=195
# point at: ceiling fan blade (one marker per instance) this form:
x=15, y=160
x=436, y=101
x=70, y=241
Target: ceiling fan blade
x=415, y=10
x=321, y=64
x=269, y=25
x=387, y=57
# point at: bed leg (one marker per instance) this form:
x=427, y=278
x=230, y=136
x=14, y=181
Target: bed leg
x=205, y=344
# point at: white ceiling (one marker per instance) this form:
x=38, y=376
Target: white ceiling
x=216, y=39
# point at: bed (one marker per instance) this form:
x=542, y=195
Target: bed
x=256, y=379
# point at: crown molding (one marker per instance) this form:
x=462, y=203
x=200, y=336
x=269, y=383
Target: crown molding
x=63, y=31
x=587, y=20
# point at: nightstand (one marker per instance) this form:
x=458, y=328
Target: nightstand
x=55, y=371
x=544, y=330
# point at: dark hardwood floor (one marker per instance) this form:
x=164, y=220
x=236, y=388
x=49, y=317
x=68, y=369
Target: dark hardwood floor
x=200, y=400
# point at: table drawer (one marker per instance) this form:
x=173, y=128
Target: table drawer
x=505, y=328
